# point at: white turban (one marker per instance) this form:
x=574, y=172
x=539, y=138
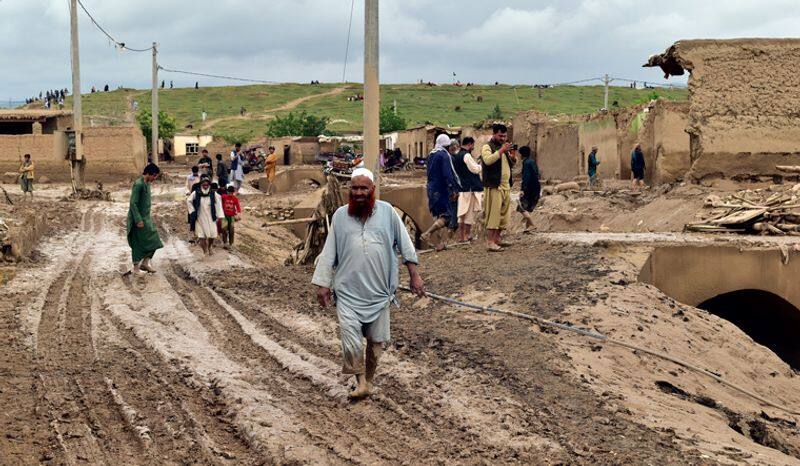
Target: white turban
x=363, y=172
x=442, y=142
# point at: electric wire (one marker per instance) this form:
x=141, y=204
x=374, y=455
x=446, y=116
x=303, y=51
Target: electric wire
x=107, y=34
x=218, y=76
x=347, y=47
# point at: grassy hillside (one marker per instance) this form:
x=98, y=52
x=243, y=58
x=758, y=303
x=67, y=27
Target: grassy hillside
x=443, y=105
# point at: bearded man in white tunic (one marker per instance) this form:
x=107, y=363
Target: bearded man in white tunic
x=205, y=207
x=358, y=266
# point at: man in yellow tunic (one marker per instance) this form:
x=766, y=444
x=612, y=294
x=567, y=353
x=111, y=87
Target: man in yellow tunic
x=497, y=160
x=270, y=164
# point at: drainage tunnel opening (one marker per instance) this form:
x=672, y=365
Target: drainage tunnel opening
x=767, y=318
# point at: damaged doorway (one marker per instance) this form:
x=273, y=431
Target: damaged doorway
x=767, y=318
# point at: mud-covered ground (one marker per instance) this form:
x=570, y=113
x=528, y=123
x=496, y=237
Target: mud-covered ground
x=228, y=360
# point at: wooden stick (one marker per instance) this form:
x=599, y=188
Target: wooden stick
x=293, y=221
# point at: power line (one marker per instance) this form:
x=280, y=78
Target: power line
x=107, y=34
x=230, y=78
x=347, y=47
x=662, y=84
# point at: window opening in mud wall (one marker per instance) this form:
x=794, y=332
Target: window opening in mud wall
x=192, y=148
x=767, y=318
x=16, y=127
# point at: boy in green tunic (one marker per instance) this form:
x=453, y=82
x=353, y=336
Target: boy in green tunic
x=142, y=234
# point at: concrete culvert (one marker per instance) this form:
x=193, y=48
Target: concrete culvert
x=766, y=317
x=753, y=289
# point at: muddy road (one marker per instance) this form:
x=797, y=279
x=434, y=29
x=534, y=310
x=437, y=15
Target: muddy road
x=225, y=360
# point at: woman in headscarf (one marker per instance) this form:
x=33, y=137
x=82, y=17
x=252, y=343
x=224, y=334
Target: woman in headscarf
x=205, y=206
x=443, y=188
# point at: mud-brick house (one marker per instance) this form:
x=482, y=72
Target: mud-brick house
x=744, y=96
x=113, y=153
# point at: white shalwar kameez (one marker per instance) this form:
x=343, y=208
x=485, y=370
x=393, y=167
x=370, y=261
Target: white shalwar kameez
x=205, y=226
x=359, y=262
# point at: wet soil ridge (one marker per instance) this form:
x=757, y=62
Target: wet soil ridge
x=778, y=434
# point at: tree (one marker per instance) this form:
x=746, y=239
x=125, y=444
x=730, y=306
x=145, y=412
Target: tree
x=496, y=114
x=301, y=124
x=166, y=125
x=391, y=121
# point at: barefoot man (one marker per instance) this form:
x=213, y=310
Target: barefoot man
x=142, y=234
x=359, y=265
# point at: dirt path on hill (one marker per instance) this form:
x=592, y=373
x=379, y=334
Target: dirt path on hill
x=267, y=114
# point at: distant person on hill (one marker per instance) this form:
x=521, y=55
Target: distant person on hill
x=592, y=164
x=26, y=175
x=531, y=188
x=470, y=196
x=497, y=160
x=442, y=188
x=192, y=179
x=222, y=172
x=270, y=168
x=205, y=165
x=637, y=167
x=141, y=231
x=196, y=85
x=237, y=166
x=105, y=89
x=204, y=115
x=170, y=84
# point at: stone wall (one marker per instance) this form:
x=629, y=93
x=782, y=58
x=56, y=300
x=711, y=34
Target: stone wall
x=744, y=96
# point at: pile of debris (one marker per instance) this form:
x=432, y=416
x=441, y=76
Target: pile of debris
x=770, y=211
x=98, y=194
x=279, y=214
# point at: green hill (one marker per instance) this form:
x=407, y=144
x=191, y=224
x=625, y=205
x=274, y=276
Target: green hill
x=442, y=105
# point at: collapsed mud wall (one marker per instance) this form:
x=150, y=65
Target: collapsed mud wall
x=744, y=96
x=562, y=144
x=114, y=153
x=601, y=132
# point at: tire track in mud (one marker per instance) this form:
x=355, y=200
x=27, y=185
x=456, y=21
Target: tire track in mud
x=112, y=403
x=431, y=413
x=325, y=418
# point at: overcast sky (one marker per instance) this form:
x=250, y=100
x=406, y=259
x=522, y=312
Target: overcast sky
x=512, y=41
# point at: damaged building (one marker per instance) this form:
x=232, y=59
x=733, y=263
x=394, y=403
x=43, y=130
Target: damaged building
x=562, y=143
x=744, y=96
x=113, y=153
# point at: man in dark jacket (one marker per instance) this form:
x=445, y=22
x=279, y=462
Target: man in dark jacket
x=531, y=188
x=637, y=167
x=442, y=189
x=470, y=196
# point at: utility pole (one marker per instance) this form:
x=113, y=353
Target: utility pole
x=371, y=91
x=606, y=80
x=76, y=161
x=154, y=110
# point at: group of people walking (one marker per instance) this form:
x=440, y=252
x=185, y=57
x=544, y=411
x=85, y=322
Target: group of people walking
x=461, y=188
x=213, y=206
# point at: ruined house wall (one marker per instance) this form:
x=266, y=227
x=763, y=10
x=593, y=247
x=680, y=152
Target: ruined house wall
x=113, y=153
x=600, y=132
x=670, y=141
x=557, y=151
x=744, y=99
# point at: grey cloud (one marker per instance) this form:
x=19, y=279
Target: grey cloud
x=520, y=41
